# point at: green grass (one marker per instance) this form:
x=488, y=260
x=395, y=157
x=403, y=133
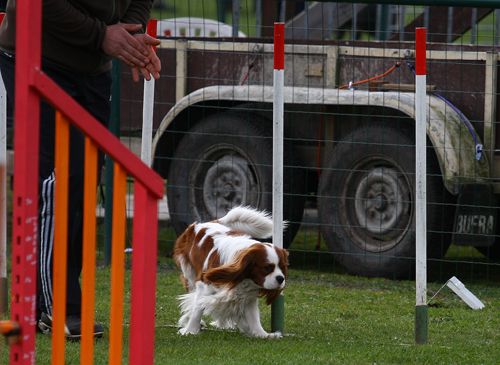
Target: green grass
x=352, y=321
x=208, y=9
x=330, y=318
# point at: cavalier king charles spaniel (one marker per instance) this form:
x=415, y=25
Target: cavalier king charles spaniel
x=225, y=270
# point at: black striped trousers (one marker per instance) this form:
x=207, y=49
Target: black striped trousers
x=93, y=93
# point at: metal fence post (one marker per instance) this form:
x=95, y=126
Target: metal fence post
x=114, y=127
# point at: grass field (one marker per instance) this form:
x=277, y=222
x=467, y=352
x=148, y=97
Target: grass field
x=357, y=322
x=208, y=9
x=330, y=318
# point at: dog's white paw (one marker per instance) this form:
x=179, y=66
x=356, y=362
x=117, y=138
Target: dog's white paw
x=187, y=331
x=184, y=321
x=275, y=335
x=222, y=324
x=267, y=335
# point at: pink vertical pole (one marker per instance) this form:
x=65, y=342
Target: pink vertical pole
x=142, y=332
x=25, y=219
x=143, y=296
x=421, y=309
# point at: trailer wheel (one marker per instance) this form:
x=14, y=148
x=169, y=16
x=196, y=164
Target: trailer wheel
x=492, y=252
x=225, y=161
x=367, y=212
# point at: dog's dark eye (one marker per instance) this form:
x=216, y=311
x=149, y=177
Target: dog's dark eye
x=268, y=268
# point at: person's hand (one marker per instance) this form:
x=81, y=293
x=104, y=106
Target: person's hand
x=152, y=68
x=132, y=50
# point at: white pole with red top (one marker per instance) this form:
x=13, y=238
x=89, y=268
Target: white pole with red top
x=421, y=309
x=277, y=309
x=148, y=107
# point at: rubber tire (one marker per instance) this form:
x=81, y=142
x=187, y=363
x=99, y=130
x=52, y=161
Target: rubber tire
x=492, y=252
x=371, y=162
x=236, y=147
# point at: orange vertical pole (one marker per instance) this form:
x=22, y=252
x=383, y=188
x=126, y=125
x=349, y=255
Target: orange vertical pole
x=89, y=234
x=60, y=256
x=117, y=265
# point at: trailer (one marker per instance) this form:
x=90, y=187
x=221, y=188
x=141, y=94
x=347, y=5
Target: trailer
x=349, y=152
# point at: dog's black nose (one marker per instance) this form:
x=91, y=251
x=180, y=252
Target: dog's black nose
x=280, y=279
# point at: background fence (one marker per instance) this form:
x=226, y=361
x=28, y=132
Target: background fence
x=326, y=54
x=350, y=222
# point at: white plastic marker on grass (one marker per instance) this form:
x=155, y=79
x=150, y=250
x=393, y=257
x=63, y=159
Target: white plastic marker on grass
x=421, y=308
x=459, y=289
x=277, y=309
x=148, y=108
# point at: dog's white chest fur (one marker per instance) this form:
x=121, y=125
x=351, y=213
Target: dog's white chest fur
x=227, y=308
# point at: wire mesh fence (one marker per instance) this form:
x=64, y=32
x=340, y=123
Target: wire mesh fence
x=349, y=131
x=349, y=134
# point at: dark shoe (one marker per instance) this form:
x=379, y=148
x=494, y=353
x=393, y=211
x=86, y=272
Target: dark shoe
x=72, y=329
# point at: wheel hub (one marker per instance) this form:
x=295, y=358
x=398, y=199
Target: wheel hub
x=375, y=204
x=379, y=200
x=225, y=185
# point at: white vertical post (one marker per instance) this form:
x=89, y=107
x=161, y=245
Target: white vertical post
x=421, y=313
x=147, y=121
x=3, y=195
x=148, y=108
x=277, y=309
x=3, y=185
x=278, y=108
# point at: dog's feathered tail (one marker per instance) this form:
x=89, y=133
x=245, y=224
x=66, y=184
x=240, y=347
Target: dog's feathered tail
x=249, y=221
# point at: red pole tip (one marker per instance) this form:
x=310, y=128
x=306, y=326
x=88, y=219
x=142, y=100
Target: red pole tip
x=152, y=29
x=420, y=50
x=279, y=46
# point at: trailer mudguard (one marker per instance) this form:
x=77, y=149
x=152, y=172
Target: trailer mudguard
x=452, y=140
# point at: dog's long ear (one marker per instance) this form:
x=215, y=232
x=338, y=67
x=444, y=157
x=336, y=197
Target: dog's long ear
x=270, y=295
x=234, y=272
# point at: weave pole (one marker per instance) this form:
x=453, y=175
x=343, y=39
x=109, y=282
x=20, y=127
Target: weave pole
x=148, y=105
x=4, y=293
x=421, y=309
x=278, y=306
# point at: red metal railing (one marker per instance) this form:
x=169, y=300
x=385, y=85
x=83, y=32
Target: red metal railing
x=31, y=84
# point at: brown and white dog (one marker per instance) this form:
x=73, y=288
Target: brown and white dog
x=225, y=271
